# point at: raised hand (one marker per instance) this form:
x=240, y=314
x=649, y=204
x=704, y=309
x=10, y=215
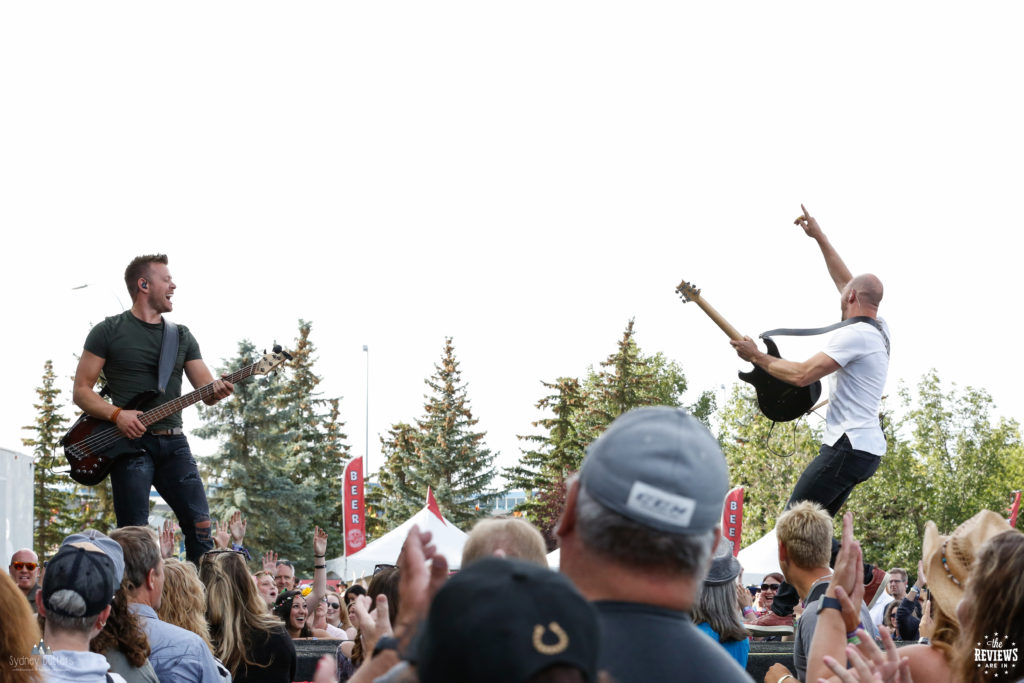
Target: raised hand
x=416, y=583
x=374, y=619
x=221, y=535
x=871, y=665
x=808, y=223
x=167, y=539
x=237, y=526
x=319, y=542
x=848, y=567
x=270, y=562
x=927, y=626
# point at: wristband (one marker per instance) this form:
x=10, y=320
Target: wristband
x=319, y=566
x=924, y=640
x=316, y=556
x=385, y=643
x=853, y=633
x=747, y=610
x=785, y=677
x=117, y=411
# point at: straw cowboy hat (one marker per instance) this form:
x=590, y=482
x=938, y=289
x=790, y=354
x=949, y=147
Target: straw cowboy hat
x=948, y=559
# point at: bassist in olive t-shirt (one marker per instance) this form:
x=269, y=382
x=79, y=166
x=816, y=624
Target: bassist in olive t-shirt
x=126, y=349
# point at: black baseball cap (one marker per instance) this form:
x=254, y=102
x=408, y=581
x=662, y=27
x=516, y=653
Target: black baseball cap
x=84, y=569
x=503, y=621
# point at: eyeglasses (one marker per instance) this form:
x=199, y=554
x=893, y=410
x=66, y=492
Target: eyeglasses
x=770, y=587
x=21, y=566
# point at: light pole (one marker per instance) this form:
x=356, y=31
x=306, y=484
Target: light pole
x=366, y=458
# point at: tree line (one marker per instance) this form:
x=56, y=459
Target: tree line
x=281, y=449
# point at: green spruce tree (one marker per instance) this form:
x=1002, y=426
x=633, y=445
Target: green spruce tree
x=315, y=444
x=544, y=467
x=580, y=411
x=400, y=493
x=251, y=470
x=444, y=453
x=628, y=379
x=55, y=503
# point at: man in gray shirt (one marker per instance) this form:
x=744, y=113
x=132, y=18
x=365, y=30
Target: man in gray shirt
x=640, y=524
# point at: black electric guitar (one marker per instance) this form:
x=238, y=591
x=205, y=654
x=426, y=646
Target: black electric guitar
x=92, y=445
x=778, y=400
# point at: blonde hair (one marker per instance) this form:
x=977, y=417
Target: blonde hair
x=994, y=598
x=19, y=633
x=806, y=531
x=184, y=599
x=516, y=537
x=236, y=610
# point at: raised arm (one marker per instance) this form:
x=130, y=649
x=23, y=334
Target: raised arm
x=837, y=269
x=319, y=567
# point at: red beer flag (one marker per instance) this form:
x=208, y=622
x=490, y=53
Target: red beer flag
x=355, y=507
x=732, y=518
x=1014, y=509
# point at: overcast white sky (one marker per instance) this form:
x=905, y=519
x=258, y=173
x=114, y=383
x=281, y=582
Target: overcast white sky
x=524, y=177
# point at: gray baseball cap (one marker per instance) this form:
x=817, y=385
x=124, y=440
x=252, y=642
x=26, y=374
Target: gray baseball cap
x=108, y=545
x=661, y=467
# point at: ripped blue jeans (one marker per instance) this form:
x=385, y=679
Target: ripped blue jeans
x=168, y=466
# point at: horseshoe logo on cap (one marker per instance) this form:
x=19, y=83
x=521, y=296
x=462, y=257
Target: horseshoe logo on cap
x=558, y=647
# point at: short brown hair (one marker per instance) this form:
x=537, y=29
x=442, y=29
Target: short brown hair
x=806, y=531
x=139, y=267
x=141, y=553
x=901, y=571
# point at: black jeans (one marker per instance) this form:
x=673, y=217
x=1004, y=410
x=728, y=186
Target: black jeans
x=828, y=481
x=168, y=465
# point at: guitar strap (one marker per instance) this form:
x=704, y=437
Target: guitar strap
x=168, y=354
x=799, y=332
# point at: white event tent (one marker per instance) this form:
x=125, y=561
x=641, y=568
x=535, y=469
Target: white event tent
x=448, y=538
x=759, y=559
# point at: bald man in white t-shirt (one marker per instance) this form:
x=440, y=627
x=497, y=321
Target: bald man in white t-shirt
x=856, y=362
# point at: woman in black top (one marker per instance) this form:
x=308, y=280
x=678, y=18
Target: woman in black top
x=251, y=643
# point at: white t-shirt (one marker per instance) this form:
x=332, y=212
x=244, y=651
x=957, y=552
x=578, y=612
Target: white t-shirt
x=856, y=388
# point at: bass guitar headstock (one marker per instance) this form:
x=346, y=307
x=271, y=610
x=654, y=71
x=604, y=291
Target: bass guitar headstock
x=271, y=361
x=688, y=291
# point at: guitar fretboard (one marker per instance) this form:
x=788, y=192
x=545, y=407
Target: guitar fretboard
x=171, y=407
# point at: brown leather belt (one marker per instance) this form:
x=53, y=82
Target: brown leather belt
x=173, y=431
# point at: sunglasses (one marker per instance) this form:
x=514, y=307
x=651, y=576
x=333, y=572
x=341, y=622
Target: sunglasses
x=333, y=605
x=378, y=568
x=21, y=566
x=770, y=586
x=207, y=555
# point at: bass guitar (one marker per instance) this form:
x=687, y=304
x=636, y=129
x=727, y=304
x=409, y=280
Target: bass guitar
x=92, y=445
x=778, y=400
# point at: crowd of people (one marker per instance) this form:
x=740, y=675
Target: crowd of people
x=647, y=591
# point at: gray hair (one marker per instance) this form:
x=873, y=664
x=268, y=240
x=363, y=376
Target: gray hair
x=719, y=607
x=71, y=602
x=615, y=537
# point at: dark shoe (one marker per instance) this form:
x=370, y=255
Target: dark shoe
x=873, y=588
x=771, y=624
